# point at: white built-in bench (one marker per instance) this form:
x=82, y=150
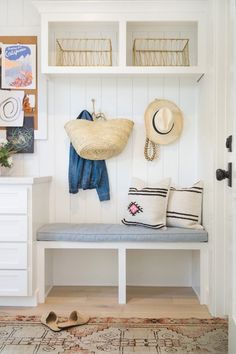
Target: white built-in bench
x=120, y=238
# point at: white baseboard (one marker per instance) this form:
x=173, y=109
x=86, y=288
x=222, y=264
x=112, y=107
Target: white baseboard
x=47, y=291
x=20, y=301
x=196, y=289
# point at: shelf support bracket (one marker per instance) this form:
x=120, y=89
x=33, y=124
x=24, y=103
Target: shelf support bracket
x=199, y=79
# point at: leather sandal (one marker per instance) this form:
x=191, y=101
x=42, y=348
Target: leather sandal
x=75, y=319
x=50, y=320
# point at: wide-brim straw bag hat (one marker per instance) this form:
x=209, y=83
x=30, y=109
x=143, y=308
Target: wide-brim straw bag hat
x=101, y=139
x=164, y=125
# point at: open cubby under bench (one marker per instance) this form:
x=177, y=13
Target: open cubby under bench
x=121, y=238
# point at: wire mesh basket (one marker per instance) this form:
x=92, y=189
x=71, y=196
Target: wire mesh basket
x=160, y=52
x=84, y=52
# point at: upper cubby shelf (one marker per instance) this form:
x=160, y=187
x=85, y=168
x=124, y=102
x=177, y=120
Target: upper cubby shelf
x=122, y=37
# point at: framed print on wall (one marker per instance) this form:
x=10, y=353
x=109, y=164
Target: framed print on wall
x=35, y=101
x=22, y=138
x=11, y=108
x=19, y=66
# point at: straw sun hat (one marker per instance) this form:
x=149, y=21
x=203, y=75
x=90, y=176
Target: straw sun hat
x=164, y=124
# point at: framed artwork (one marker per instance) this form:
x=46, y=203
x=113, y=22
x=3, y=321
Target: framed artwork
x=35, y=100
x=19, y=66
x=22, y=138
x=11, y=108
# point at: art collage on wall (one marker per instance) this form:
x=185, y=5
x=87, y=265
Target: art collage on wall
x=18, y=91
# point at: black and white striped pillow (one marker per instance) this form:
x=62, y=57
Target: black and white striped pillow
x=147, y=205
x=185, y=207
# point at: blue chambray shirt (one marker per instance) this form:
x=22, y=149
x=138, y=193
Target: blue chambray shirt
x=88, y=174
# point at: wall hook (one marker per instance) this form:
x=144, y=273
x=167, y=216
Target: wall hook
x=98, y=115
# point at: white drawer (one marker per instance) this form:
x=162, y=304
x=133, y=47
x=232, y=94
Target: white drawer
x=13, y=200
x=13, y=255
x=13, y=283
x=13, y=228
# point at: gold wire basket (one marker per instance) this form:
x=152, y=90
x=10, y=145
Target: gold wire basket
x=83, y=52
x=160, y=52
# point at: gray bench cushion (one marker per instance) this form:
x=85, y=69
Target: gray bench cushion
x=117, y=233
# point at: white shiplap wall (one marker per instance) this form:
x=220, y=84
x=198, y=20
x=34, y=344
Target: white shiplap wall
x=118, y=97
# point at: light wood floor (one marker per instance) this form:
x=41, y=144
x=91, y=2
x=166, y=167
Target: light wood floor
x=102, y=301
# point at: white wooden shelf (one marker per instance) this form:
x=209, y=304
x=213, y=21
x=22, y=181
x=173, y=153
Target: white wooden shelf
x=194, y=71
x=103, y=19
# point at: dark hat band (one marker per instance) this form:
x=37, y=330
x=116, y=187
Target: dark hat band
x=154, y=127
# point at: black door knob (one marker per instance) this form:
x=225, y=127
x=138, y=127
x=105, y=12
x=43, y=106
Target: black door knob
x=222, y=174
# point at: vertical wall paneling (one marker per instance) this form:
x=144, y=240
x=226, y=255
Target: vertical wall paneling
x=3, y=12
x=124, y=97
x=143, y=267
x=151, y=272
x=109, y=108
x=171, y=151
x=127, y=98
x=31, y=165
x=124, y=172
x=46, y=148
x=18, y=165
x=15, y=13
x=93, y=90
x=189, y=139
x=31, y=16
x=98, y=267
x=77, y=104
x=61, y=149
x=140, y=101
x=156, y=167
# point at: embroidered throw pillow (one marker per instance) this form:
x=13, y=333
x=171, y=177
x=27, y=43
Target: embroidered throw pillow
x=147, y=205
x=185, y=207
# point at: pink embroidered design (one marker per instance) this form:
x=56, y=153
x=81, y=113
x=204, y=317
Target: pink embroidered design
x=134, y=208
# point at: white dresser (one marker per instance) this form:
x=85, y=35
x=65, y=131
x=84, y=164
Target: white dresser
x=24, y=207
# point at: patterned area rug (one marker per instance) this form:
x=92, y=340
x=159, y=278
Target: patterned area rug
x=26, y=335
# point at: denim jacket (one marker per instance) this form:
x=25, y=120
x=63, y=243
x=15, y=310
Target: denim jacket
x=88, y=174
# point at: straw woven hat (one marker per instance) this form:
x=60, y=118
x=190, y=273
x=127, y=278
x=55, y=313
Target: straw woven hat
x=99, y=140
x=164, y=122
